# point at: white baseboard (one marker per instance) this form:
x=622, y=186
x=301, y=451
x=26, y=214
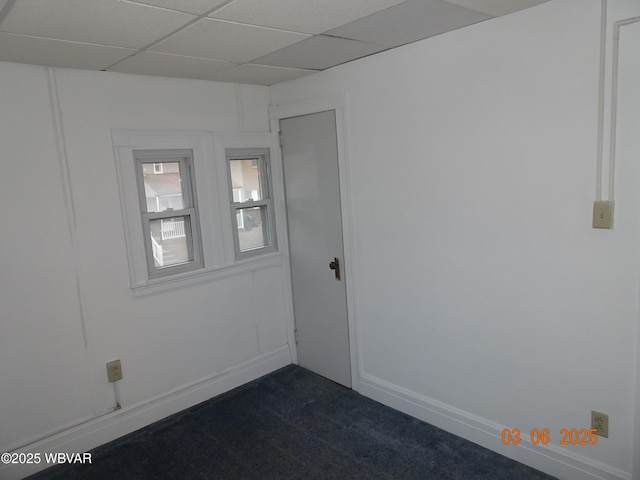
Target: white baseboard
x=106, y=428
x=549, y=459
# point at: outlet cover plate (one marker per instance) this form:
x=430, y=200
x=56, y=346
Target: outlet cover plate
x=600, y=422
x=114, y=371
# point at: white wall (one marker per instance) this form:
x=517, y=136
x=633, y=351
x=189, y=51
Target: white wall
x=485, y=298
x=43, y=361
x=475, y=148
x=628, y=150
x=67, y=307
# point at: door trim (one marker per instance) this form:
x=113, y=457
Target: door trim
x=337, y=103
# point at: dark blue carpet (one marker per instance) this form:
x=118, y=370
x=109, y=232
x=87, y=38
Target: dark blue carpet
x=292, y=424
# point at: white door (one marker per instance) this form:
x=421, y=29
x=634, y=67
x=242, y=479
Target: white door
x=310, y=158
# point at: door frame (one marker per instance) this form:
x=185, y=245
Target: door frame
x=337, y=103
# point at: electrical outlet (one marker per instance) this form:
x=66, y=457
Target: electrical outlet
x=114, y=371
x=600, y=423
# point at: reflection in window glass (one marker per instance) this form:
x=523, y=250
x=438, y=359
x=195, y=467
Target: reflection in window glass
x=163, y=186
x=245, y=180
x=169, y=242
x=251, y=234
x=251, y=202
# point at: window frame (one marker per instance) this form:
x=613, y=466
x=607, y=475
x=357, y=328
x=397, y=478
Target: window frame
x=184, y=157
x=262, y=155
x=125, y=142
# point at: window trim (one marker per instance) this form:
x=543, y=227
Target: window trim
x=125, y=142
x=263, y=157
x=245, y=140
x=211, y=188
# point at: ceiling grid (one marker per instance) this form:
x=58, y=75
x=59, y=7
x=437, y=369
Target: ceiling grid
x=243, y=41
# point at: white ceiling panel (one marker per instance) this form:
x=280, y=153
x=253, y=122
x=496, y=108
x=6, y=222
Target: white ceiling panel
x=319, y=52
x=496, y=8
x=105, y=22
x=308, y=16
x=58, y=53
x=197, y=7
x=149, y=63
x=259, y=74
x=220, y=40
x=245, y=41
x=409, y=22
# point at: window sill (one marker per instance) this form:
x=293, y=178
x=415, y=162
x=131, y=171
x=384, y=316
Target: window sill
x=187, y=279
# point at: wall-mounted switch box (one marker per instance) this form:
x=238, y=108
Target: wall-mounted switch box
x=603, y=214
x=114, y=371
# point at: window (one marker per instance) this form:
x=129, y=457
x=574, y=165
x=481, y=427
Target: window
x=168, y=208
x=251, y=205
x=175, y=197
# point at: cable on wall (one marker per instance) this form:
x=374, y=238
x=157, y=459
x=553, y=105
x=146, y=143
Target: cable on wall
x=603, y=209
x=603, y=43
x=614, y=97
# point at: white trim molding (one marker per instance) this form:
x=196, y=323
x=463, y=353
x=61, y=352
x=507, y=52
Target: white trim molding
x=106, y=428
x=549, y=458
x=124, y=144
x=339, y=104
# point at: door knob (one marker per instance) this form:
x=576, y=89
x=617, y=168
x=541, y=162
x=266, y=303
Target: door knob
x=335, y=266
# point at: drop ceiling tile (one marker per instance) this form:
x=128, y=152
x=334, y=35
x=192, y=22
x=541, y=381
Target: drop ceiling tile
x=304, y=16
x=319, y=52
x=259, y=74
x=105, y=22
x=150, y=63
x=58, y=53
x=197, y=7
x=496, y=8
x=221, y=40
x=408, y=22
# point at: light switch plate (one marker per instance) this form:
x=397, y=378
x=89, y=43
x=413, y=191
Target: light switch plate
x=603, y=214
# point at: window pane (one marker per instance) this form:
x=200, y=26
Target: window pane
x=251, y=235
x=245, y=180
x=169, y=242
x=163, y=186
